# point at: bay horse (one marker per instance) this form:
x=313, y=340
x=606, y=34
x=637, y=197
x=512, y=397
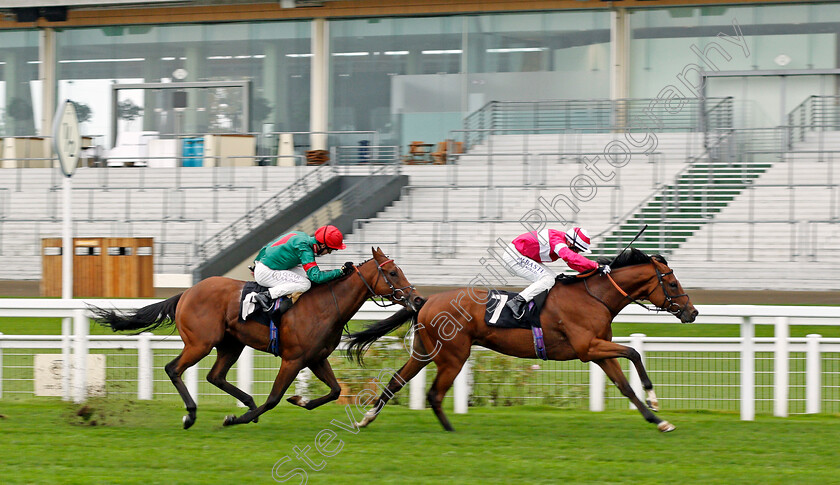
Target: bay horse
x=206, y=315
x=576, y=322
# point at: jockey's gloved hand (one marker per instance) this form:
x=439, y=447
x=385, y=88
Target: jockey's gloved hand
x=347, y=268
x=604, y=268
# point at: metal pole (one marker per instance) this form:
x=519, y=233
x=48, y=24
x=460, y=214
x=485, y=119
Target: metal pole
x=67, y=241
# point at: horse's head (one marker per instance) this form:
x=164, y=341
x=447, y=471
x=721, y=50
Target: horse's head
x=657, y=285
x=384, y=278
x=668, y=294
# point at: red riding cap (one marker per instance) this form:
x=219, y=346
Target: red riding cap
x=331, y=236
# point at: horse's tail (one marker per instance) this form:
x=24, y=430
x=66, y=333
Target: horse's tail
x=359, y=342
x=149, y=317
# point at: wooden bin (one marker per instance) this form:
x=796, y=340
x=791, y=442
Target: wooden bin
x=108, y=267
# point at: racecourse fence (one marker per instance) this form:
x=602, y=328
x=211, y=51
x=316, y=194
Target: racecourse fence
x=780, y=375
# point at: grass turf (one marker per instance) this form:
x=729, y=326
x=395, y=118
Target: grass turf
x=44, y=441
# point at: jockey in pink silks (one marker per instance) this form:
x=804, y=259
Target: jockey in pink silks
x=528, y=252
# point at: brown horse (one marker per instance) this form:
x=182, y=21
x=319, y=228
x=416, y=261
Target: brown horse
x=206, y=316
x=576, y=321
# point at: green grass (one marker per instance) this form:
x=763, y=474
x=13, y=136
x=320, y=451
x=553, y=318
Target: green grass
x=52, y=326
x=45, y=442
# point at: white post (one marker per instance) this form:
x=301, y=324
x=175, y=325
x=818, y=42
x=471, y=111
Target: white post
x=596, y=387
x=80, y=353
x=245, y=372
x=813, y=375
x=66, y=240
x=66, y=362
x=145, y=387
x=191, y=381
x=417, y=390
x=1, y=365
x=462, y=389
x=638, y=343
x=780, y=368
x=747, y=370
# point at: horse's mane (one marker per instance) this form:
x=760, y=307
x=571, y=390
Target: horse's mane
x=632, y=257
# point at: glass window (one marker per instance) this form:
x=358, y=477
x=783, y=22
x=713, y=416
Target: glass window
x=273, y=56
x=415, y=79
x=20, y=89
x=666, y=42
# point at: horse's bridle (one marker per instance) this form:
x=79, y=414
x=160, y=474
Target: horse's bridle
x=669, y=305
x=397, y=296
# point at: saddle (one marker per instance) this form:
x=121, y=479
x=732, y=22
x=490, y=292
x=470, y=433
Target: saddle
x=250, y=310
x=497, y=314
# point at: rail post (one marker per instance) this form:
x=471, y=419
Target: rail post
x=144, y=366
x=417, y=390
x=462, y=389
x=596, y=387
x=747, y=370
x=780, y=368
x=813, y=375
x=245, y=372
x=80, y=353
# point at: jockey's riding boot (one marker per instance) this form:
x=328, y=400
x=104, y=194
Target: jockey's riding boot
x=283, y=304
x=264, y=300
x=517, y=306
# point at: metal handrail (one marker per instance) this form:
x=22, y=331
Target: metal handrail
x=595, y=115
x=262, y=213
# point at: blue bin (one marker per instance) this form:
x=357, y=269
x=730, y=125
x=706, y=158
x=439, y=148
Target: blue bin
x=192, y=151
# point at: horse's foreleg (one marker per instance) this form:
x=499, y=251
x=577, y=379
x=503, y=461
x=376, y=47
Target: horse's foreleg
x=447, y=372
x=186, y=359
x=289, y=369
x=323, y=371
x=604, y=349
x=227, y=354
x=614, y=372
x=400, y=379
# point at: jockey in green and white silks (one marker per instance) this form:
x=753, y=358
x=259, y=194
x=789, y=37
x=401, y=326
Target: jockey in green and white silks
x=287, y=264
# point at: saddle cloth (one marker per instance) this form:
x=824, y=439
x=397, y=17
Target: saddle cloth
x=497, y=314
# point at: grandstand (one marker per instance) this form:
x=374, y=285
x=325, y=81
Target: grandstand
x=559, y=117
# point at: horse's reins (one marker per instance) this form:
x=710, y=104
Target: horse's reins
x=669, y=299
x=394, y=290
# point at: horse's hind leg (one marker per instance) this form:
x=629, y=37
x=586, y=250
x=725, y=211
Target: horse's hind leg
x=614, y=372
x=227, y=353
x=400, y=378
x=324, y=372
x=288, y=370
x=186, y=359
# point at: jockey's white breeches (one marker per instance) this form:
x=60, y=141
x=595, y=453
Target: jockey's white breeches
x=540, y=275
x=281, y=282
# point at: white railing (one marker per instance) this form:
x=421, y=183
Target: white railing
x=815, y=358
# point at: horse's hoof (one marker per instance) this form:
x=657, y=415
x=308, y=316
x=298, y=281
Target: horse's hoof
x=653, y=405
x=188, y=421
x=229, y=420
x=298, y=401
x=666, y=427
